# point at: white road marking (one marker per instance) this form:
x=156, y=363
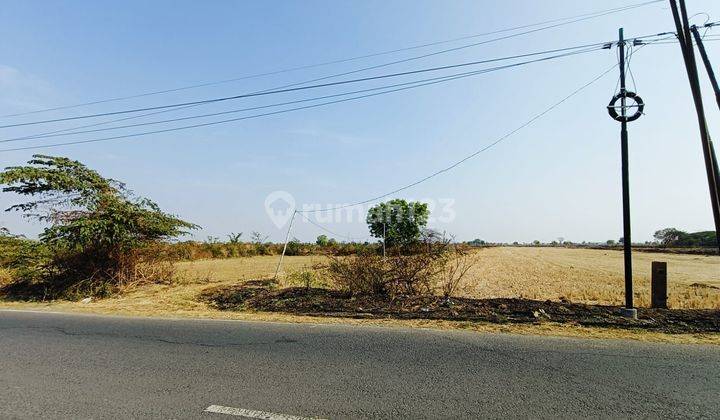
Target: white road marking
x=253, y=414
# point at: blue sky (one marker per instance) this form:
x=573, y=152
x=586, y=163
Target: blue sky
x=560, y=177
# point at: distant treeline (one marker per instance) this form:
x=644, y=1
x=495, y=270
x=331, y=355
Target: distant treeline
x=675, y=237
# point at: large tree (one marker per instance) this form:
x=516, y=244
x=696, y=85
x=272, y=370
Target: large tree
x=96, y=225
x=398, y=222
x=676, y=237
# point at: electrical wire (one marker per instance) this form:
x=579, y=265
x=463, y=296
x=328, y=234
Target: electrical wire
x=55, y=134
x=350, y=238
x=280, y=90
x=288, y=90
x=74, y=129
x=276, y=112
x=305, y=67
x=476, y=153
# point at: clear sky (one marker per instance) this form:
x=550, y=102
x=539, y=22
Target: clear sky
x=559, y=177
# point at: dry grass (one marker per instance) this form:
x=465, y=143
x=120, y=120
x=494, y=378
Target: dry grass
x=584, y=276
x=590, y=276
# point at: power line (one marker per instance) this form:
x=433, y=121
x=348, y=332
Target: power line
x=463, y=160
x=280, y=111
x=588, y=48
x=74, y=129
x=305, y=67
x=291, y=88
x=286, y=90
x=350, y=238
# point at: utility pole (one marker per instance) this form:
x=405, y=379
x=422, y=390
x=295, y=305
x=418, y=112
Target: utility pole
x=706, y=62
x=627, y=241
x=683, y=33
x=624, y=96
x=713, y=81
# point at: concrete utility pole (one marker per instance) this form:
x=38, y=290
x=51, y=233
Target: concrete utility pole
x=624, y=96
x=716, y=88
x=706, y=62
x=627, y=238
x=683, y=33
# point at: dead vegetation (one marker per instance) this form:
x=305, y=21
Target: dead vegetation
x=266, y=296
x=420, y=270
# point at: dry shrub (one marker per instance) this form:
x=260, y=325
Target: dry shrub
x=454, y=268
x=415, y=270
x=76, y=274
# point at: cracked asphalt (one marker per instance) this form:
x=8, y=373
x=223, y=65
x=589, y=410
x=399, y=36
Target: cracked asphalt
x=84, y=366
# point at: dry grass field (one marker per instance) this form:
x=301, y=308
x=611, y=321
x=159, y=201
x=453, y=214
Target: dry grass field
x=578, y=275
x=591, y=276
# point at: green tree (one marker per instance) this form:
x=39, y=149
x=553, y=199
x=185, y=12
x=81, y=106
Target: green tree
x=668, y=236
x=398, y=222
x=97, y=228
x=676, y=237
x=322, y=240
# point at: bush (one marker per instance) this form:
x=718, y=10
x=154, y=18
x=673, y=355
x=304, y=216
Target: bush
x=305, y=278
x=101, y=238
x=293, y=248
x=428, y=266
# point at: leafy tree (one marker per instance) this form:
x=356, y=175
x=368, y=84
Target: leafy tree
x=97, y=227
x=322, y=240
x=477, y=242
x=610, y=242
x=399, y=222
x=675, y=237
x=668, y=236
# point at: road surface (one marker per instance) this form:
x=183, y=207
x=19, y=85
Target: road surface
x=82, y=366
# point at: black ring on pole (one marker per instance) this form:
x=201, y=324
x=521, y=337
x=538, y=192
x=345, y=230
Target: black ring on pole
x=632, y=95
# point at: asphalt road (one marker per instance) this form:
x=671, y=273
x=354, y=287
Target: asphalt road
x=81, y=366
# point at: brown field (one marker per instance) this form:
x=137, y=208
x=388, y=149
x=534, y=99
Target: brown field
x=578, y=275
x=591, y=276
